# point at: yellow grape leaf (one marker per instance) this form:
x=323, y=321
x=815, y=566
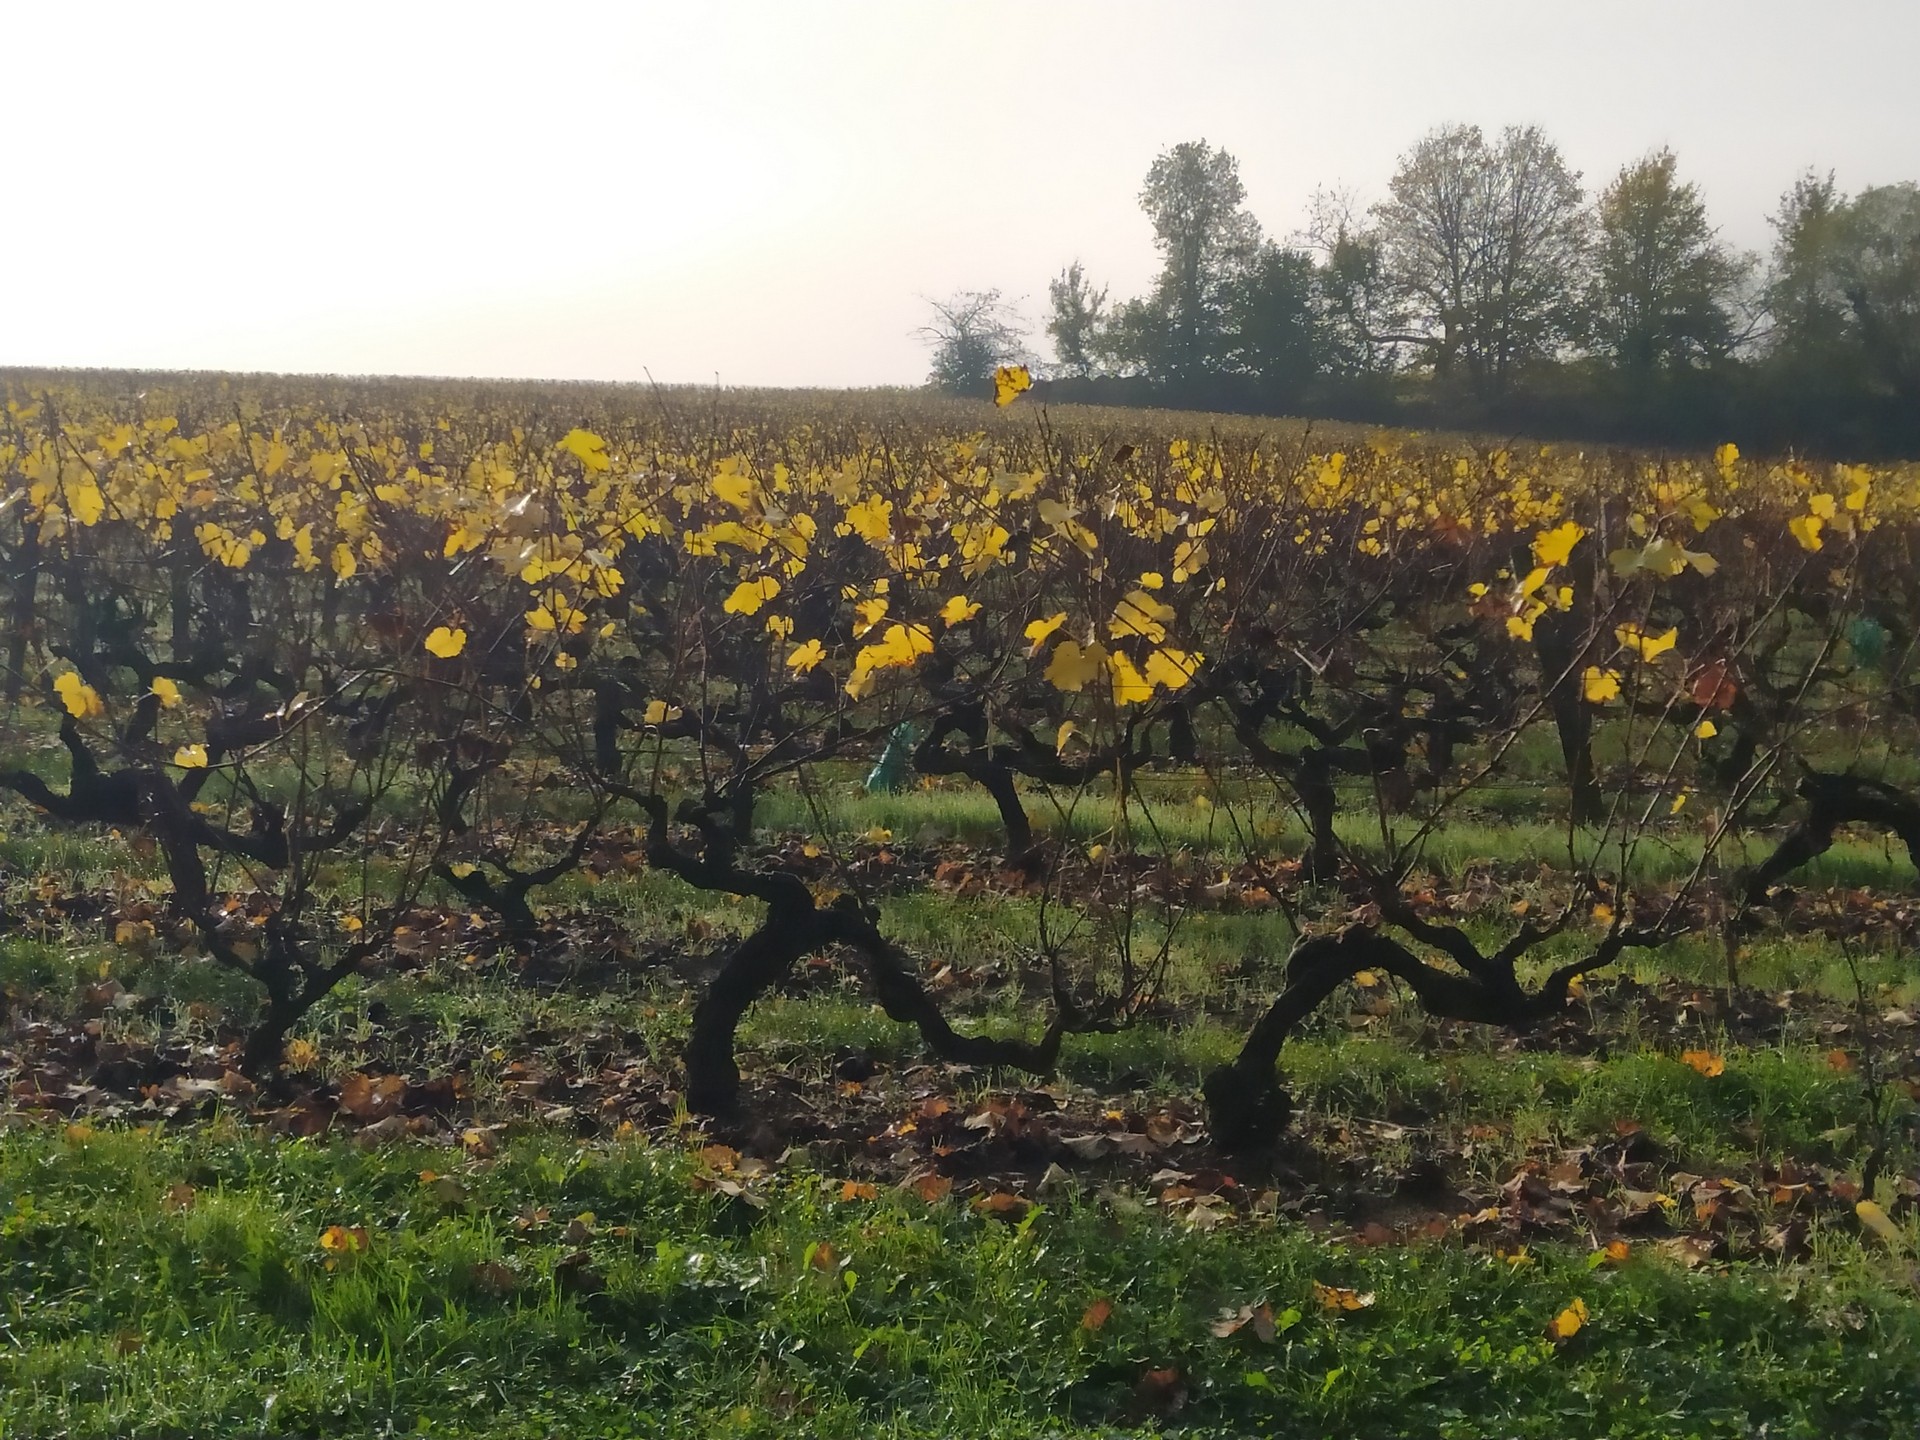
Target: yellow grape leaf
x=81, y=699
x=749, y=595
x=1172, y=668
x=735, y=489
x=1068, y=729
x=805, y=657
x=1647, y=647
x=898, y=648
x=344, y=1240
x=1679, y=803
x=1806, y=529
x=872, y=520
x=1038, y=632
x=191, y=757
x=1130, y=687
x=1072, y=667
x=658, y=712
x=344, y=563
x=1661, y=557
x=958, y=610
x=1878, y=1221
x=1567, y=1323
x=1600, y=686
x=868, y=613
x=446, y=642
x=1821, y=505
x=461, y=869
x=1337, y=1298
x=1010, y=381
x=588, y=448
x=301, y=1054
x=1153, y=580
x=1140, y=614
x=86, y=502
x=1553, y=547
x=1705, y=1061
x=168, y=692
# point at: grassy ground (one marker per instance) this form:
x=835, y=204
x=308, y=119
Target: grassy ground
x=540, y=1242
x=183, y=1285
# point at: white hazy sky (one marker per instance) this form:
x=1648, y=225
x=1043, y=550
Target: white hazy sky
x=764, y=191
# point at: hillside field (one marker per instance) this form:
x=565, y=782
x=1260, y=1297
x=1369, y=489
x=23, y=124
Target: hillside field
x=553, y=909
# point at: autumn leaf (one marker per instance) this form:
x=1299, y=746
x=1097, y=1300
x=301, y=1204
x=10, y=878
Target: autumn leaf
x=804, y=657
x=168, y=692
x=81, y=699
x=1172, y=669
x=301, y=1054
x=1705, y=1061
x=588, y=448
x=445, y=641
x=1072, y=667
x=1336, y=1299
x=1647, y=647
x=1568, y=1322
x=344, y=1239
x=930, y=1187
x=1039, y=630
x=1096, y=1315
x=1879, y=1222
x=1010, y=381
x=1806, y=530
x=1130, y=687
x=1138, y=613
x=1555, y=546
x=749, y=595
x=1600, y=686
x=958, y=610
x=191, y=757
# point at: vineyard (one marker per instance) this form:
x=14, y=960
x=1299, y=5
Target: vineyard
x=649, y=866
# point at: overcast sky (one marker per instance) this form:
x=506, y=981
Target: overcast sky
x=764, y=191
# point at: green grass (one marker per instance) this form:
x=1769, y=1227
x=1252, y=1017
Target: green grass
x=134, y=1308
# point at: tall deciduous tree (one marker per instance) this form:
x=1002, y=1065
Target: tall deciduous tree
x=970, y=335
x=1665, y=289
x=1077, y=311
x=1196, y=201
x=1487, y=245
x=1273, y=327
x=1844, y=294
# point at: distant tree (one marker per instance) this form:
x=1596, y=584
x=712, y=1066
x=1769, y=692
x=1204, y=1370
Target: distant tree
x=1136, y=340
x=1206, y=237
x=1486, y=245
x=1879, y=273
x=1273, y=328
x=1806, y=307
x=1664, y=290
x=1362, y=316
x=971, y=334
x=1078, y=311
x=1844, y=292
